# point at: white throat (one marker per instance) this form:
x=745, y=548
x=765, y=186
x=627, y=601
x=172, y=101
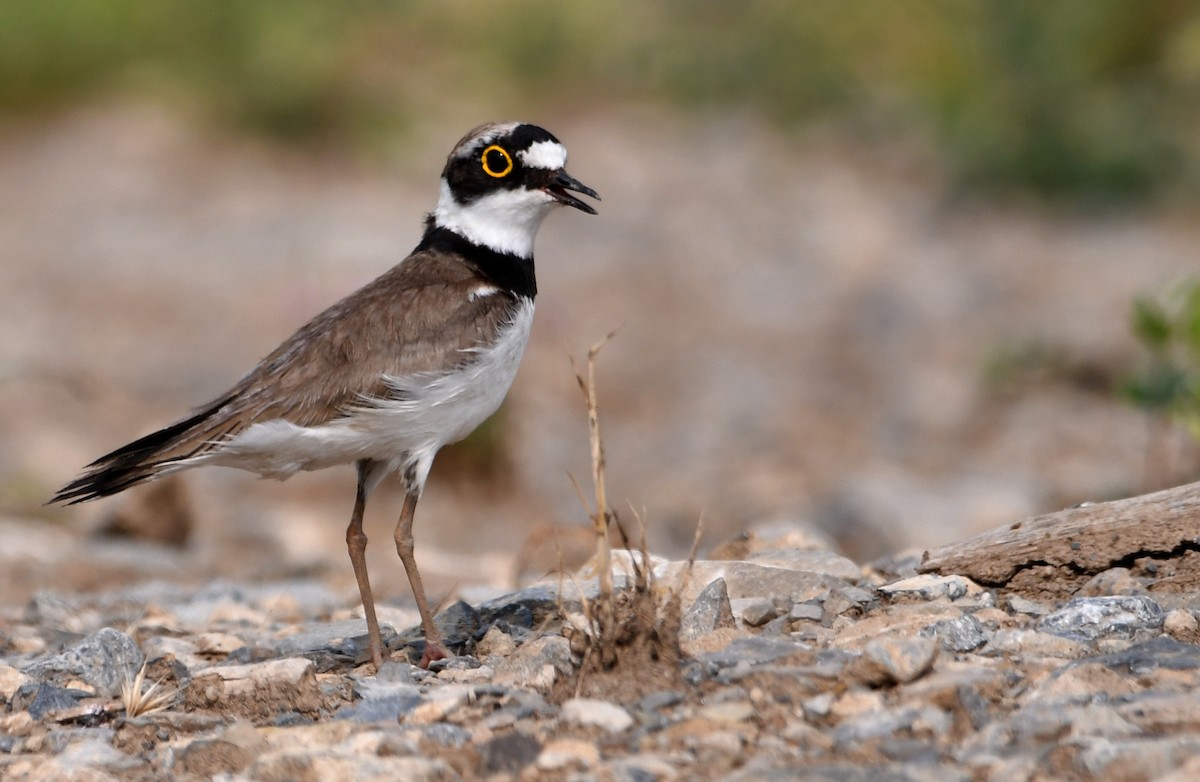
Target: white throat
x=505, y=221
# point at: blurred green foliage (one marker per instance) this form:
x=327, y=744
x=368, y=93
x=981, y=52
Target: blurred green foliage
x=1169, y=329
x=1066, y=98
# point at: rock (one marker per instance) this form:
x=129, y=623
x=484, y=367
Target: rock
x=1035, y=643
x=537, y=664
x=756, y=611
x=1076, y=681
x=459, y=623
x=806, y=612
x=445, y=734
x=729, y=711
x=1188, y=772
x=380, y=701
x=1157, y=653
x=809, y=561
x=43, y=768
x=710, y=611
x=41, y=700
x=904, y=620
x=440, y=703
x=641, y=768
x=13, y=728
x=321, y=764
x=1146, y=758
x=184, y=650
x=961, y=634
x=341, y=643
x=598, y=714
x=1023, y=605
x=623, y=563
x=895, y=660
x=257, y=690
x=477, y=674
x=11, y=680
x=89, y=748
x=495, y=642
x=874, y=724
x=746, y=579
x=1159, y=714
x=751, y=651
x=1181, y=625
x=183, y=722
x=717, y=748
x=663, y=699
x=857, y=595
x=1114, y=581
x=205, y=756
x=1091, y=618
x=393, y=672
x=897, y=565
x=508, y=752
x=217, y=644
x=568, y=753
x=930, y=587
x=106, y=660
x=837, y=603
x=819, y=707
x=540, y=603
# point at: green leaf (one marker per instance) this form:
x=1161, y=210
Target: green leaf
x=1189, y=318
x=1151, y=324
x=1160, y=388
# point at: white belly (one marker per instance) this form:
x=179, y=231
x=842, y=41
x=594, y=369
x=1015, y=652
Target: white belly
x=429, y=412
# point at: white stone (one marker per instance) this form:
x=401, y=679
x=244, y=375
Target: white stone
x=596, y=713
x=565, y=753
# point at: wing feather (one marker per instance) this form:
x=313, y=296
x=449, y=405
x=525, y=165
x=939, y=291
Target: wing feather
x=420, y=319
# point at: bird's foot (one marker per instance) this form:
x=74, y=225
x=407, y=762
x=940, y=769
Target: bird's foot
x=433, y=651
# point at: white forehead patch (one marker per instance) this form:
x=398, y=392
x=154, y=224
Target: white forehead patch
x=544, y=154
x=481, y=136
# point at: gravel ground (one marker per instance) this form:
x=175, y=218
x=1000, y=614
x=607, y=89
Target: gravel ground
x=790, y=662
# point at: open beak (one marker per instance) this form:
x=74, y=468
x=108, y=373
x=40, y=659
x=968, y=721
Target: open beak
x=561, y=182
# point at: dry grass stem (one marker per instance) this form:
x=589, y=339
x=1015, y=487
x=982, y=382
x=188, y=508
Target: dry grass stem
x=629, y=644
x=600, y=515
x=139, y=699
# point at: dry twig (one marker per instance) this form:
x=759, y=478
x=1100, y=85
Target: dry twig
x=600, y=515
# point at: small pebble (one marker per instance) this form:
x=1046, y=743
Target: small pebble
x=596, y=713
x=756, y=611
x=568, y=753
x=806, y=612
x=1091, y=618
x=930, y=587
x=1181, y=625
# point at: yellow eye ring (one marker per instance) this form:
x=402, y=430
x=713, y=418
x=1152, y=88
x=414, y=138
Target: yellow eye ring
x=508, y=163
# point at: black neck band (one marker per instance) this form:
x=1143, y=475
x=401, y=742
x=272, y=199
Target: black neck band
x=504, y=270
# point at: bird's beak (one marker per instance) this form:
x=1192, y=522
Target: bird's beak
x=560, y=182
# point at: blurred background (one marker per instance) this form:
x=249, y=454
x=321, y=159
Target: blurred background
x=896, y=271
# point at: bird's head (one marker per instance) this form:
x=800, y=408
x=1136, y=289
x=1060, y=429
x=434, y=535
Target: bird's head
x=501, y=180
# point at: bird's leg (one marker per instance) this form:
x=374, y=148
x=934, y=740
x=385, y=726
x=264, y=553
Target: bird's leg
x=404, y=547
x=356, y=544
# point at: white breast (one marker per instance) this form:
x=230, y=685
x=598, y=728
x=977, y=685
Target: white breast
x=406, y=432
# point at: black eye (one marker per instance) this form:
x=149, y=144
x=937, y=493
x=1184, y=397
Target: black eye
x=497, y=162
